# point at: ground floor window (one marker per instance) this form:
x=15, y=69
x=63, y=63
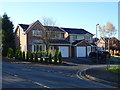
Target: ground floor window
x=38, y=48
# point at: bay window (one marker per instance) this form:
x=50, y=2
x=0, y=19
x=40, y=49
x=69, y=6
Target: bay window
x=38, y=48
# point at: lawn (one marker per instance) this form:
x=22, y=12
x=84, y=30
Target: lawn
x=115, y=69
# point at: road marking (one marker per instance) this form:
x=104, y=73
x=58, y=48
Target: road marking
x=41, y=85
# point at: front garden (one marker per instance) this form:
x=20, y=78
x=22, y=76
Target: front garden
x=41, y=57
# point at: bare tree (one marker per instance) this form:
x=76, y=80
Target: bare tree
x=48, y=31
x=48, y=21
x=107, y=31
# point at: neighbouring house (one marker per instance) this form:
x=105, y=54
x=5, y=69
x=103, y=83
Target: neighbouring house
x=95, y=40
x=71, y=42
x=81, y=41
x=113, y=42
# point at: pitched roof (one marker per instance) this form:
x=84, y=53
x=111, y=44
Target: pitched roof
x=56, y=41
x=54, y=28
x=76, y=42
x=80, y=41
x=24, y=26
x=106, y=39
x=49, y=28
x=76, y=31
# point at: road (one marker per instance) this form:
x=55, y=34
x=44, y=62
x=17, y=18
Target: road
x=45, y=76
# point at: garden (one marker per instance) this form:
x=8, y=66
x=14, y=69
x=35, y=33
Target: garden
x=41, y=57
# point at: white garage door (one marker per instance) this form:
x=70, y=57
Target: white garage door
x=81, y=51
x=64, y=51
x=88, y=50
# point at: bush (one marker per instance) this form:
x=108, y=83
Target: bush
x=23, y=55
x=118, y=54
x=27, y=56
x=10, y=53
x=41, y=59
x=16, y=54
x=55, y=56
x=60, y=57
x=20, y=54
x=36, y=57
x=50, y=57
x=46, y=55
x=31, y=56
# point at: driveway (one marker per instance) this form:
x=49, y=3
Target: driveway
x=26, y=75
x=84, y=60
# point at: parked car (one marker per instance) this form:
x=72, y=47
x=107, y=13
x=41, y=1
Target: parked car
x=101, y=55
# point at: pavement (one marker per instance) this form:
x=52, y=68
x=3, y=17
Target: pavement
x=101, y=75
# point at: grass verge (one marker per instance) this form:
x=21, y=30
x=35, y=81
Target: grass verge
x=115, y=69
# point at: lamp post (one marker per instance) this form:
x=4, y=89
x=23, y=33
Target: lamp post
x=97, y=43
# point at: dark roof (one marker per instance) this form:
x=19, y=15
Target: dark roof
x=76, y=31
x=49, y=28
x=93, y=44
x=56, y=41
x=53, y=28
x=24, y=26
x=95, y=39
x=77, y=41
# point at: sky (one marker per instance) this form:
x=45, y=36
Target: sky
x=66, y=14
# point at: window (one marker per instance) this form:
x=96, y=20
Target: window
x=57, y=35
x=87, y=37
x=74, y=37
x=38, y=48
x=101, y=42
x=37, y=33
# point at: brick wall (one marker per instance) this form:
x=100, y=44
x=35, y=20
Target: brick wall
x=30, y=37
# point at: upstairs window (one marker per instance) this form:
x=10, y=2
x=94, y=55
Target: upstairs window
x=57, y=35
x=87, y=37
x=74, y=37
x=37, y=33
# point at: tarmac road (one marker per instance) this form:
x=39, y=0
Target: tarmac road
x=45, y=76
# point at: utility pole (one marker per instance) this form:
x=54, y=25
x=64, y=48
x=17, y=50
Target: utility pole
x=96, y=44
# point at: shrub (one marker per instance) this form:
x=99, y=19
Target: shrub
x=60, y=57
x=20, y=54
x=50, y=57
x=10, y=53
x=23, y=55
x=27, y=56
x=36, y=57
x=55, y=56
x=41, y=59
x=16, y=53
x=46, y=55
x=31, y=56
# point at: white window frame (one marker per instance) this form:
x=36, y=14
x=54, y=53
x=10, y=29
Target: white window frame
x=35, y=32
x=75, y=37
x=36, y=48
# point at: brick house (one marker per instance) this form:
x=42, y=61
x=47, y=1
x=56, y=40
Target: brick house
x=67, y=40
x=114, y=42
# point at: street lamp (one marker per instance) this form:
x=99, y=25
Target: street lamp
x=96, y=29
x=97, y=43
